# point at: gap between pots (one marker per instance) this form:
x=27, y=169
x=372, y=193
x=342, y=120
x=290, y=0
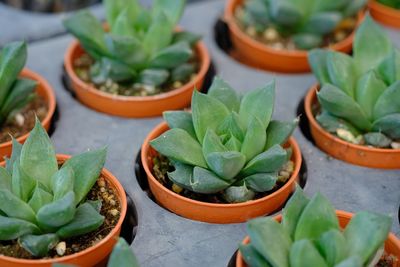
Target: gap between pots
x=304, y=123
x=49, y=7
x=130, y=223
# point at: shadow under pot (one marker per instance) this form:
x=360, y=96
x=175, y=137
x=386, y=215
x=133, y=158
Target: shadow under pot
x=216, y=212
x=91, y=256
x=384, y=14
x=259, y=55
x=135, y=106
x=392, y=243
x=338, y=148
x=45, y=94
x=50, y=6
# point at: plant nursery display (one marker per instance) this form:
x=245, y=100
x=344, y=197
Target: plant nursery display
x=139, y=53
x=227, y=149
x=311, y=233
x=385, y=11
x=57, y=208
x=358, y=98
x=23, y=94
x=276, y=34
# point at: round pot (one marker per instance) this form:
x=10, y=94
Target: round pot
x=44, y=90
x=384, y=14
x=134, y=106
x=259, y=55
x=92, y=255
x=210, y=212
x=340, y=149
x=392, y=244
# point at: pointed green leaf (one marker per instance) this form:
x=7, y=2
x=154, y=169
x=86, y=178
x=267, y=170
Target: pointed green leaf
x=238, y=194
x=12, y=228
x=231, y=126
x=159, y=34
x=389, y=125
x=122, y=26
x=254, y=140
x=122, y=256
x=377, y=139
x=21, y=91
x=222, y=91
x=126, y=49
x=212, y=143
x=261, y=182
x=5, y=179
x=186, y=36
x=39, y=198
x=86, y=167
x=252, y=257
x=317, y=58
x=353, y=261
x=15, y=207
x=183, y=72
x=39, y=245
x=389, y=68
x=354, y=7
x=15, y=155
x=154, y=77
x=286, y=13
x=303, y=253
x=332, y=246
x=292, y=211
x=115, y=7
x=278, y=132
x=269, y=161
x=323, y=22
x=307, y=41
x=96, y=204
x=22, y=185
x=173, y=9
x=226, y=164
x=180, y=119
x=331, y=123
x=178, y=145
x=171, y=56
x=182, y=175
x=57, y=213
x=341, y=72
x=233, y=144
x=388, y=102
x=62, y=182
x=206, y=182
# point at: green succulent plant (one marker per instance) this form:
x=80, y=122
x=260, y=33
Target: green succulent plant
x=15, y=93
x=360, y=95
x=227, y=144
x=141, y=47
x=310, y=235
x=390, y=3
x=305, y=21
x=40, y=203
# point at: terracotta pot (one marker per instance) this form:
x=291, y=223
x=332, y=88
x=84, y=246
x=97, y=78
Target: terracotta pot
x=134, y=106
x=92, y=255
x=340, y=149
x=210, y=212
x=259, y=55
x=44, y=90
x=384, y=14
x=392, y=244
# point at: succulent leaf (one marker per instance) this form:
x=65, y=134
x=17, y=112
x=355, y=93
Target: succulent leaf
x=62, y=182
x=222, y=91
x=323, y=22
x=173, y=10
x=183, y=72
x=185, y=36
x=278, y=132
x=5, y=179
x=182, y=175
x=207, y=182
x=304, y=253
x=226, y=164
x=332, y=123
x=15, y=155
x=377, y=139
x=212, y=143
x=238, y=193
x=233, y=144
x=39, y=198
x=159, y=34
x=254, y=140
x=353, y=7
x=389, y=124
x=14, y=207
x=39, y=245
x=127, y=49
x=388, y=102
x=318, y=60
x=231, y=126
x=261, y=182
x=122, y=256
x=115, y=7
x=180, y=119
x=285, y=13
x=12, y=228
x=353, y=261
x=307, y=41
x=153, y=77
x=341, y=72
x=22, y=185
x=171, y=56
x=268, y=161
x=252, y=257
x=389, y=68
x=332, y=246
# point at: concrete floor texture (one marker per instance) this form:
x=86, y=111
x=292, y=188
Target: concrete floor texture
x=163, y=238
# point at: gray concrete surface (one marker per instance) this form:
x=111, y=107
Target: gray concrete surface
x=163, y=238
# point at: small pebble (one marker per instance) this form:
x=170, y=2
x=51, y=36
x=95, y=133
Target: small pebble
x=270, y=34
x=101, y=183
x=176, y=188
x=395, y=145
x=177, y=84
x=112, y=202
x=19, y=118
x=61, y=248
x=251, y=31
x=278, y=46
x=346, y=135
x=114, y=212
x=339, y=36
x=102, y=189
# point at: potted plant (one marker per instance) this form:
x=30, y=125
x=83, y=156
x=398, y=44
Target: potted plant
x=141, y=66
x=276, y=34
x=311, y=233
x=23, y=94
x=385, y=11
x=226, y=161
x=354, y=113
x=56, y=208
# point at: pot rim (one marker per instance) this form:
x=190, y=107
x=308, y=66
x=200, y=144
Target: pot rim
x=106, y=174
x=373, y=4
x=162, y=127
x=309, y=100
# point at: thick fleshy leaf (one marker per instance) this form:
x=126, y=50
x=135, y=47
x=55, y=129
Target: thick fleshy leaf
x=353, y=261
x=86, y=220
x=317, y=217
x=226, y=164
x=354, y=7
x=238, y=194
x=173, y=9
x=39, y=198
x=62, y=182
x=154, y=77
x=222, y=91
x=366, y=233
x=5, y=179
x=331, y=123
x=207, y=182
x=207, y=112
x=332, y=246
x=377, y=139
x=57, y=213
x=341, y=72
x=258, y=103
x=39, y=245
x=115, y=7
x=15, y=155
x=254, y=140
x=233, y=144
x=127, y=49
x=212, y=143
x=389, y=124
x=183, y=72
x=261, y=182
x=269, y=161
x=270, y=240
x=338, y=103
x=96, y=204
x=388, y=102
x=389, y=68
x=252, y=257
x=322, y=5
x=12, y=228
x=178, y=145
x=303, y=253
x=38, y=158
x=186, y=36
x=371, y=45
x=159, y=34
x=171, y=56
x=278, y=132
x=182, y=175
x=15, y=207
x=122, y=256
x=285, y=12
x=231, y=126
x=180, y=119
x=21, y=184
x=87, y=167
x=107, y=68
x=317, y=58
x=307, y=41
x=123, y=24
x=292, y=211
x=323, y=22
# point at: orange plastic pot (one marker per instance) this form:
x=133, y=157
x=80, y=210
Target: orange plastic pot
x=44, y=90
x=259, y=55
x=134, y=106
x=392, y=244
x=210, y=212
x=340, y=149
x=92, y=255
x=384, y=14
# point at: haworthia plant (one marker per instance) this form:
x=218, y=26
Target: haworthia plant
x=15, y=93
x=360, y=95
x=227, y=144
x=310, y=235
x=390, y=3
x=40, y=203
x=141, y=46
x=306, y=22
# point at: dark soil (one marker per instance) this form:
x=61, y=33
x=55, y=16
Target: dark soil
x=161, y=166
x=24, y=120
x=110, y=209
x=387, y=261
